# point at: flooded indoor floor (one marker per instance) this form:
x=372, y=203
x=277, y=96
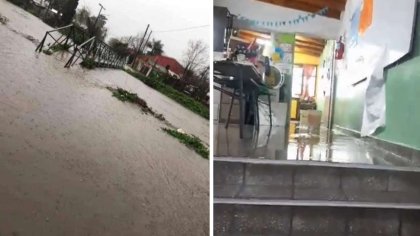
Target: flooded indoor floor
x=297, y=144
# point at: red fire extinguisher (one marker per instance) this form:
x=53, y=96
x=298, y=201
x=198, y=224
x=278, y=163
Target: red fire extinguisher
x=340, y=50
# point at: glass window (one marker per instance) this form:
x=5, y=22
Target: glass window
x=297, y=81
x=304, y=81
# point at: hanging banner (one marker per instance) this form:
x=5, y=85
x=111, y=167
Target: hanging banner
x=283, y=22
x=280, y=19
x=354, y=28
x=282, y=56
x=366, y=16
x=376, y=35
x=382, y=23
x=374, y=112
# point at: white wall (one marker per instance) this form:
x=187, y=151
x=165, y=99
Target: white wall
x=319, y=26
x=392, y=26
x=385, y=41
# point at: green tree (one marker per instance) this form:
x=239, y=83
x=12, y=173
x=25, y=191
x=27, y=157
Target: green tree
x=69, y=10
x=156, y=47
x=99, y=30
x=119, y=46
x=85, y=20
x=194, y=57
x=82, y=15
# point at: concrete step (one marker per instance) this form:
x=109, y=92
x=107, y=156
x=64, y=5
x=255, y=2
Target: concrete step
x=313, y=218
x=242, y=178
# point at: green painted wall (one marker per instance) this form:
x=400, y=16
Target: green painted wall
x=348, y=107
x=402, y=101
x=403, y=104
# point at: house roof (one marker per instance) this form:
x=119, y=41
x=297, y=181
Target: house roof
x=164, y=61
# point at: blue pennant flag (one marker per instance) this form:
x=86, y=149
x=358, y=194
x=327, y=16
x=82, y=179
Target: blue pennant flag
x=297, y=20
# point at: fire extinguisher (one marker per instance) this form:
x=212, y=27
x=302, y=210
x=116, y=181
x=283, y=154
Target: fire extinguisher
x=340, y=50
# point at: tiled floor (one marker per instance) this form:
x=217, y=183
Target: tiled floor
x=280, y=143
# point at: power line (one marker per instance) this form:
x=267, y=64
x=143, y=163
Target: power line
x=182, y=29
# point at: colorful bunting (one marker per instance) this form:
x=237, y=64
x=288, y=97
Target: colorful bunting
x=297, y=20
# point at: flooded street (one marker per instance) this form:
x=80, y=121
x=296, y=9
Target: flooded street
x=176, y=114
x=76, y=161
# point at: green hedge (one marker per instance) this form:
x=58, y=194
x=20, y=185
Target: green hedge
x=190, y=141
x=183, y=99
x=88, y=63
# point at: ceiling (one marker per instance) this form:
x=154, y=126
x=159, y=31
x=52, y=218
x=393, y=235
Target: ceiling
x=305, y=45
x=335, y=7
x=309, y=46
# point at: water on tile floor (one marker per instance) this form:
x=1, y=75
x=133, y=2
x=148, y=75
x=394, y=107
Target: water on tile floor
x=297, y=143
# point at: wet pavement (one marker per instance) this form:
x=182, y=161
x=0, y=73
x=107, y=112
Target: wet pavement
x=280, y=143
x=76, y=161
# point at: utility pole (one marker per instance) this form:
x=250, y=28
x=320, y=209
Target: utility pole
x=129, y=41
x=96, y=21
x=141, y=43
x=145, y=44
x=142, y=39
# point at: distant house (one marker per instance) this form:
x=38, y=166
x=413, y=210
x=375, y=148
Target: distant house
x=164, y=64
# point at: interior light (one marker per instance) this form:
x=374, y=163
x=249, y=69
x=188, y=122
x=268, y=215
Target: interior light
x=263, y=41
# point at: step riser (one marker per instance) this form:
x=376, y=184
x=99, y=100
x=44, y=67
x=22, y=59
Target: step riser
x=267, y=181
x=313, y=221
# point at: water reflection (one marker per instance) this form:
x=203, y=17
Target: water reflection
x=299, y=143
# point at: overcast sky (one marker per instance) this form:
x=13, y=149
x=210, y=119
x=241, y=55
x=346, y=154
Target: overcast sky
x=129, y=17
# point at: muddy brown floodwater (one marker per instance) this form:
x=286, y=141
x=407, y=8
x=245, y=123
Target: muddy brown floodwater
x=76, y=161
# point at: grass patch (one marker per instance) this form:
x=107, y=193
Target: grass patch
x=88, y=63
x=181, y=98
x=190, y=141
x=125, y=96
x=60, y=47
x=47, y=51
x=3, y=20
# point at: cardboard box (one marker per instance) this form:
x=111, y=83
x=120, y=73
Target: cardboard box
x=311, y=119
